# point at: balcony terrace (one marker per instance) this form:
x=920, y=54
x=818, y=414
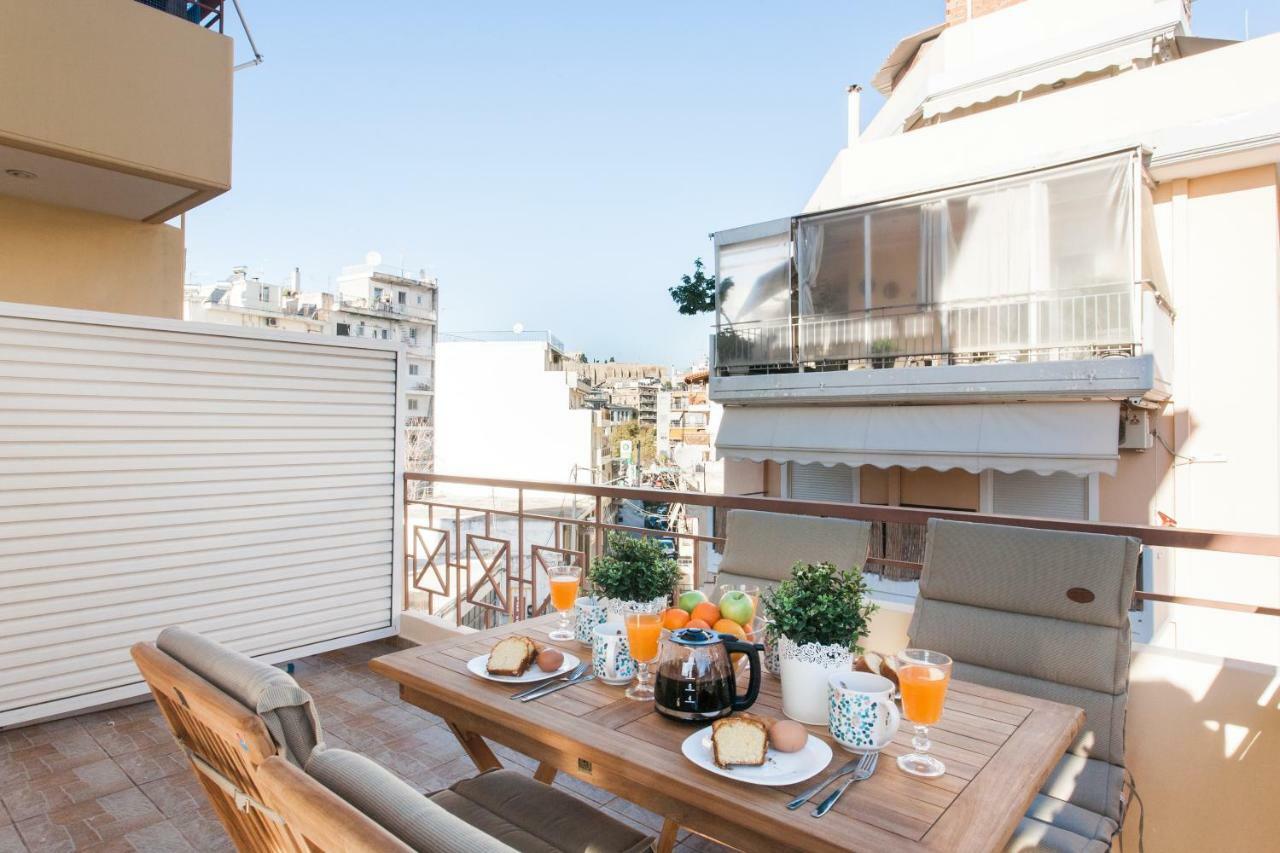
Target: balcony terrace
x=313, y=544
x=1044, y=285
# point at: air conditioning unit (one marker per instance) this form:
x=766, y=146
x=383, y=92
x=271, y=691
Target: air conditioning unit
x=1135, y=429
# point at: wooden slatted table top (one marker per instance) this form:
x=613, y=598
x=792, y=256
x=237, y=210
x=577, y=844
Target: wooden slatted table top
x=998, y=748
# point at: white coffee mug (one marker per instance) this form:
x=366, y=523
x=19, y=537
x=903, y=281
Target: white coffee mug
x=863, y=714
x=611, y=654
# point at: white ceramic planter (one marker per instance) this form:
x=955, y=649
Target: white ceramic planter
x=806, y=674
x=618, y=608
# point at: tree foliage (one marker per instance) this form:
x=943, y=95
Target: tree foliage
x=644, y=436
x=696, y=294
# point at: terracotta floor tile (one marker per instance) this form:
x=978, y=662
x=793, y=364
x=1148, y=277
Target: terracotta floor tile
x=90, y=823
x=54, y=791
x=157, y=838
x=122, y=730
x=10, y=840
x=178, y=796
x=346, y=704
x=205, y=833
x=29, y=736
x=67, y=748
x=157, y=762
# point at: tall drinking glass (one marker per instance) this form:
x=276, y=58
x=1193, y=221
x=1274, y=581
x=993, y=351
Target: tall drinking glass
x=564, y=582
x=643, y=632
x=923, y=677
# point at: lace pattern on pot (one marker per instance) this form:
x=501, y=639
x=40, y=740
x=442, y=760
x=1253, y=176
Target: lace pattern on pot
x=824, y=655
x=619, y=607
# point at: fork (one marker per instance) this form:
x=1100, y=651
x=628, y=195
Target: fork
x=854, y=765
x=568, y=676
x=825, y=805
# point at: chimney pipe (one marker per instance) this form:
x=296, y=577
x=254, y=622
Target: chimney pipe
x=855, y=113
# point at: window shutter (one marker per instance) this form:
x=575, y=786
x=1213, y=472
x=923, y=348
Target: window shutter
x=1060, y=495
x=816, y=482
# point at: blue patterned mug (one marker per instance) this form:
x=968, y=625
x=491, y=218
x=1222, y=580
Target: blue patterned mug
x=588, y=614
x=863, y=714
x=611, y=654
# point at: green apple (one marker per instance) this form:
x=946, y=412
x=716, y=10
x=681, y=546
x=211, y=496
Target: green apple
x=737, y=605
x=690, y=600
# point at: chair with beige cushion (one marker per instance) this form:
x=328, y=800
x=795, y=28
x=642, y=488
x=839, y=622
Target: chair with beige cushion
x=1044, y=613
x=761, y=547
x=499, y=811
x=254, y=739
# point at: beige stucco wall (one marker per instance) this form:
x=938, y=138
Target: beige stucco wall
x=115, y=82
x=75, y=259
x=1202, y=739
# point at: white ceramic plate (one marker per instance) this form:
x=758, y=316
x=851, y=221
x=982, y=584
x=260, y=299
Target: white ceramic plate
x=531, y=675
x=779, y=768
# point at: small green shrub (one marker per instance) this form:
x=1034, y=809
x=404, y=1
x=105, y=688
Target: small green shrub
x=820, y=603
x=633, y=569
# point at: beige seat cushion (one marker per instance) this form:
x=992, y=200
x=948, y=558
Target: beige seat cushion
x=395, y=806
x=536, y=818
x=1034, y=836
x=1072, y=818
x=1090, y=784
x=285, y=708
x=765, y=545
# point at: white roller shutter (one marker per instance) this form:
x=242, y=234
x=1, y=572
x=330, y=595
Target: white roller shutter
x=1059, y=495
x=822, y=483
x=153, y=473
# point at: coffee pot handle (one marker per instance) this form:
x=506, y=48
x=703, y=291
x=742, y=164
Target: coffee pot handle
x=752, y=651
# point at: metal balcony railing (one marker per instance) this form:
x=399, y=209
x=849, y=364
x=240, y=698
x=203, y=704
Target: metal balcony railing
x=1045, y=326
x=482, y=565
x=206, y=13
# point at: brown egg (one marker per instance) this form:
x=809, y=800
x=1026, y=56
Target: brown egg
x=549, y=660
x=788, y=736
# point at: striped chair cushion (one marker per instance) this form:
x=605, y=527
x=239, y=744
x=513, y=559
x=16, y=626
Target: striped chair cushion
x=284, y=707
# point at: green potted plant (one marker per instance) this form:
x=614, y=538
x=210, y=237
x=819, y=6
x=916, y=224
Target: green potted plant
x=817, y=618
x=880, y=349
x=633, y=575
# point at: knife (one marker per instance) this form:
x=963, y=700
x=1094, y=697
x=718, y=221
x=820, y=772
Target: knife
x=560, y=685
x=576, y=672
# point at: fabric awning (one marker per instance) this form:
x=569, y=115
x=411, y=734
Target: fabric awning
x=1079, y=438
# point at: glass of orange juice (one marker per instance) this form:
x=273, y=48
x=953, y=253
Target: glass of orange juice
x=643, y=632
x=923, y=677
x=564, y=582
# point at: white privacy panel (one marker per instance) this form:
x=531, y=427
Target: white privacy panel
x=244, y=484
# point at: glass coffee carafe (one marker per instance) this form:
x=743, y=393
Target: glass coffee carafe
x=696, y=680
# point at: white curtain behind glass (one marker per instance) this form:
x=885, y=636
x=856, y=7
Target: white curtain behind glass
x=811, y=236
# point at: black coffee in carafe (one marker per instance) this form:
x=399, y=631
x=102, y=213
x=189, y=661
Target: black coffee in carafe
x=695, y=679
x=705, y=698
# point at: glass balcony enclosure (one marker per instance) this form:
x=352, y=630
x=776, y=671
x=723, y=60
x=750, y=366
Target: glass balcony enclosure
x=1047, y=265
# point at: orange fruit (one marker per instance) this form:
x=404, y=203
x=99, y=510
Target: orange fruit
x=674, y=619
x=707, y=612
x=728, y=626
x=697, y=623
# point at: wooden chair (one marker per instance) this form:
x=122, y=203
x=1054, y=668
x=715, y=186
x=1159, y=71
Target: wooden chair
x=227, y=744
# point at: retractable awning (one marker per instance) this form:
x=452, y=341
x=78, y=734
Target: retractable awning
x=1079, y=438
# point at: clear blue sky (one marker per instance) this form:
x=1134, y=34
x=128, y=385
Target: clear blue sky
x=554, y=164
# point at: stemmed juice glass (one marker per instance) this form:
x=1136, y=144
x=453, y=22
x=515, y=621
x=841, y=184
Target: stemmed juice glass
x=923, y=677
x=564, y=582
x=643, y=632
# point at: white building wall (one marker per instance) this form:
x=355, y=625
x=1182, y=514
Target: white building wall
x=501, y=414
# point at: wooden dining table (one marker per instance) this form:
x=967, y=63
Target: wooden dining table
x=998, y=748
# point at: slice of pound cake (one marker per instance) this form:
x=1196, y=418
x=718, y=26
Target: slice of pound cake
x=511, y=656
x=740, y=739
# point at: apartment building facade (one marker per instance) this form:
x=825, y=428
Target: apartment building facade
x=371, y=301
x=1012, y=292
x=511, y=404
